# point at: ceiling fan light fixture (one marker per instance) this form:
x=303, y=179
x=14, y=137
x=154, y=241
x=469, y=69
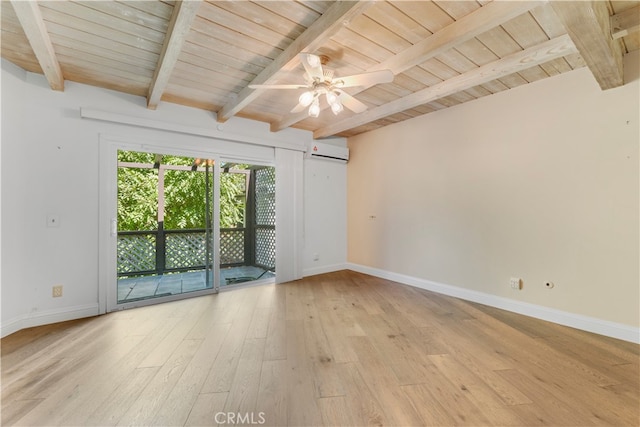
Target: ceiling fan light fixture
x=313, y=60
x=332, y=98
x=306, y=98
x=337, y=107
x=314, y=110
x=320, y=81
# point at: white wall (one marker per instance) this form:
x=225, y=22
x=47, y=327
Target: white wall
x=325, y=205
x=50, y=165
x=540, y=182
x=11, y=113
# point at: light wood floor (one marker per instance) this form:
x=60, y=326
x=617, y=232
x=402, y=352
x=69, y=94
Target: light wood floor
x=335, y=349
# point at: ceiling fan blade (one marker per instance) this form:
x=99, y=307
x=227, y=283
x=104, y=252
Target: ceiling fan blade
x=278, y=86
x=351, y=103
x=312, y=65
x=365, y=79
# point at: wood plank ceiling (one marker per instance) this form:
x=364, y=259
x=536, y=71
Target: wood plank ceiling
x=204, y=54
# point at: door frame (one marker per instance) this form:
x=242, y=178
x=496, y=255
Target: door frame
x=108, y=190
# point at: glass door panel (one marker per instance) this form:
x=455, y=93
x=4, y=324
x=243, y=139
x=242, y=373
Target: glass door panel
x=247, y=224
x=166, y=230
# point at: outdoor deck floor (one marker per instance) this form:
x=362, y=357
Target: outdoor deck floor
x=139, y=288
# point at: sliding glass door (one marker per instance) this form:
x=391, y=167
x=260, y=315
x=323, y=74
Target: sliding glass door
x=166, y=226
x=182, y=224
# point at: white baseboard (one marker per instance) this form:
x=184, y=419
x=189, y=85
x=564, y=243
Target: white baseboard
x=47, y=317
x=578, y=321
x=324, y=269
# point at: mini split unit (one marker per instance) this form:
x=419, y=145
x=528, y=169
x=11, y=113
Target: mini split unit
x=317, y=150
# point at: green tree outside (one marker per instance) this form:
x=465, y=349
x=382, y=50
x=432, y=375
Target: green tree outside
x=184, y=193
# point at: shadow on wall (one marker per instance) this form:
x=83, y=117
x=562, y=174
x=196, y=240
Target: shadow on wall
x=632, y=67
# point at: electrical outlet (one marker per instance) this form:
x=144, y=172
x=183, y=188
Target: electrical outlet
x=57, y=291
x=516, y=283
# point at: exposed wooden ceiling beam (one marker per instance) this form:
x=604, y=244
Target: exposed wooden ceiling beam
x=588, y=25
x=30, y=18
x=458, y=32
x=481, y=20
x=518, y=61
x=184, y=12
x=625, y=23
x=338, y=15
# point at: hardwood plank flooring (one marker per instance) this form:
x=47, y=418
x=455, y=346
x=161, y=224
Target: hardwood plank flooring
x=341, y=348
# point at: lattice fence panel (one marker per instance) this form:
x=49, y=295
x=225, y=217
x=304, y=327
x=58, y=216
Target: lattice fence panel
x=185, y=250
x=266, y=217
x=136, y=253
x=231, y=247
x=266, y=247
x=266, y=196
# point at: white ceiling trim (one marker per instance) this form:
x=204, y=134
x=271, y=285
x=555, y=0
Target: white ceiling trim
x=219, y=134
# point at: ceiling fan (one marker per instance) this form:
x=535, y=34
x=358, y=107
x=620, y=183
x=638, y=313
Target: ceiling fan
x=322, y=82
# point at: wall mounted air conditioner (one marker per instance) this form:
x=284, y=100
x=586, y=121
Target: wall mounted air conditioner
x=323, y=151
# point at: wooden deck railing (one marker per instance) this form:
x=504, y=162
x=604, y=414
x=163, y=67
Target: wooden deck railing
x=161, y=251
